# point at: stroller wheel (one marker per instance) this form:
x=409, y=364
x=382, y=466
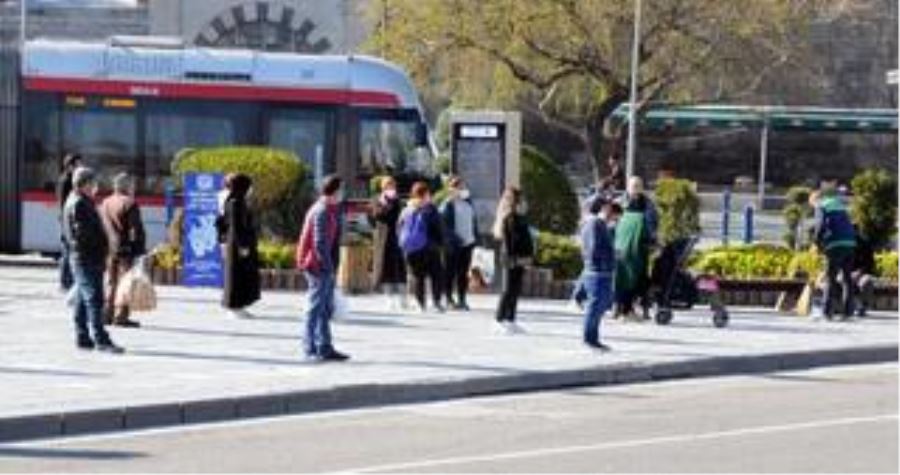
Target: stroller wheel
x=663, y=316
x=720, y=318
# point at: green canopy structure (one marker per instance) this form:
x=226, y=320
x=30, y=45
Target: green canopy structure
x=764, y=119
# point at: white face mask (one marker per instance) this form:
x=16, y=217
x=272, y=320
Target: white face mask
x=522, y=208
x=339, y=195
x=390, y=193
x=464, y=194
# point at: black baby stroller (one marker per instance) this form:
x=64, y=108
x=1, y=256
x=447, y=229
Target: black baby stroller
x=673, y=286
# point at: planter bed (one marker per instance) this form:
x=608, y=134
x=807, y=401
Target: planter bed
x=270, y=279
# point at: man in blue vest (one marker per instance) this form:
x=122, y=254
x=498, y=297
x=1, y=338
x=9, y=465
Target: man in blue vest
x=836, y=237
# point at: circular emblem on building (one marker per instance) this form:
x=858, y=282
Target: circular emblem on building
x=269, y=26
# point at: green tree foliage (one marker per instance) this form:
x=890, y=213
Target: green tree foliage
x=874, y=207
x=552, y=204
x=567, y=61
x=796, y=209
x=679, y=209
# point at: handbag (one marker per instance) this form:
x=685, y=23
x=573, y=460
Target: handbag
x=136, y=290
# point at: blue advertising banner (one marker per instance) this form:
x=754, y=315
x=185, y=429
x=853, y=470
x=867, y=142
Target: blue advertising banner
x=201, y=256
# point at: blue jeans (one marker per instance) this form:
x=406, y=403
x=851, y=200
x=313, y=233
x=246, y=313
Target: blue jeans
x=318, y=315
x=599, y=299
x=89, y=301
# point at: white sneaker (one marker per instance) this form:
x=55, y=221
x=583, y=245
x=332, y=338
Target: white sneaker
x=502, y=328
x=240, y=313
x=516, y=328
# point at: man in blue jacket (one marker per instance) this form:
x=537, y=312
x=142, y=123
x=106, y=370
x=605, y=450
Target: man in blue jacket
x=835, y=236
x=596, y=277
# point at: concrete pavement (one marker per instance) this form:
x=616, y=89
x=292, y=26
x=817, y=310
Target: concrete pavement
x=193, y=363
x=835, y=420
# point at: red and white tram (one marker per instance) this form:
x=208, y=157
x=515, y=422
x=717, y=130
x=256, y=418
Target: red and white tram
x=131, y=104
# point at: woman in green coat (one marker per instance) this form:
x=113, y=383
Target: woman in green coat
x=632, y=244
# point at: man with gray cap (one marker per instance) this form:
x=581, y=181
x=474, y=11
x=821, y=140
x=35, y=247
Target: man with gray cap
x=88, y=247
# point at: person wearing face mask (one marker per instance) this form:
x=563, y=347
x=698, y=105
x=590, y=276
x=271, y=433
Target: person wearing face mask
x=241, y=260
x=88, y=246
x=318, y=255
x=517, y=248
x=458, y=214
x=389, y=269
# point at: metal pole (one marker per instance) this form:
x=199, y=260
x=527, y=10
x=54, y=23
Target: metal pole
x=763, y=157
x=632, y=105
x=23, y=12
x=726, y=215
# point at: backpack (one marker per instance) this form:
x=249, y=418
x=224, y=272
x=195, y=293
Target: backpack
x=414, y=232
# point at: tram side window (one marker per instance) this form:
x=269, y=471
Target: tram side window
x=42, y=143
x=389, y=147
x=107, y=140
x=307, y=133
x=173, y=126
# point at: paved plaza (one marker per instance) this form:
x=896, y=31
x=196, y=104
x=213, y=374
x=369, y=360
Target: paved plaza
x=190, y=350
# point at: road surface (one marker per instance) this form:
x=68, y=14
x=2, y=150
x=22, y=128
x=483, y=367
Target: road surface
x=835, y=420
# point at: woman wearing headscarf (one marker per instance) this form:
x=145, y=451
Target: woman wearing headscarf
x=511, y=228
x=241, y=261
x=389, y=270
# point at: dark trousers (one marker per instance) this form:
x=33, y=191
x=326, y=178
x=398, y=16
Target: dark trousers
x=89, y=302
x=459, y=259
x=65, y=267
x=839, y=261
x=509, y=299
x=423, y=265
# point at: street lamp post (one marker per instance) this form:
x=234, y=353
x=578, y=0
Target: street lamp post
x=632, y=105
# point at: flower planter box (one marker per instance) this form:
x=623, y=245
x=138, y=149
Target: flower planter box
x=784, y=292
x=270, y=279
x=354, y=275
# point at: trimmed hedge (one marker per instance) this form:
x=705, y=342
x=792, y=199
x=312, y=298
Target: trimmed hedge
x=552, y=203
x=274, y=172
x=886, y=265
x=796, y=208
x=679, y=209
x=766, y=261
x=744, y=262
x=874, y=206
x=562, y=254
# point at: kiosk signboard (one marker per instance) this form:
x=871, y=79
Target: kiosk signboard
x=201, y=254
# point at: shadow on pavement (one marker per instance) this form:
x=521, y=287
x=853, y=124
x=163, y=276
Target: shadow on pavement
x=222, y=333
x=299, y=361
x=59, y=453
x=51, y=372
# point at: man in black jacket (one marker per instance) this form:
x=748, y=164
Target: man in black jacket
x=88, y=247
x=63, y=188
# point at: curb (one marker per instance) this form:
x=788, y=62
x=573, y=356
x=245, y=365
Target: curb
x=371, y=395
x=37, y=263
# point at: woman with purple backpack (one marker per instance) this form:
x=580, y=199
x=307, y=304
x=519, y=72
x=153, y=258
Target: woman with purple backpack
x=421, y=239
